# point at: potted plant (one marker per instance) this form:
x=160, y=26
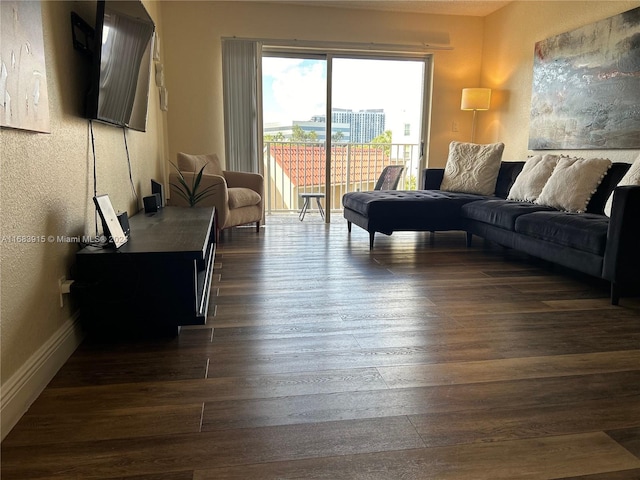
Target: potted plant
x=190, y=191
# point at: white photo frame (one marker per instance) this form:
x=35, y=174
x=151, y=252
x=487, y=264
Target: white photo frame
x=164, y=99
x=156, y=47
x=24, y=93
x=159, y=75
x=112, y=227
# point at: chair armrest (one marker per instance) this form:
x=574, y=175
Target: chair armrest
x=254, y=181
x=432, y=178
x=622, y=256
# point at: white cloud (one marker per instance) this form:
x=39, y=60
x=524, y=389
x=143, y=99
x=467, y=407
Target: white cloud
x=392, y=85
x=276, y=66
x=296, y=88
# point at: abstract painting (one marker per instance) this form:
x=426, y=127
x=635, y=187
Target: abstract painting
x=24, y=102
x=586, y=87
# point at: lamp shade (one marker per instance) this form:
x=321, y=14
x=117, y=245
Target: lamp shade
x=475, y=99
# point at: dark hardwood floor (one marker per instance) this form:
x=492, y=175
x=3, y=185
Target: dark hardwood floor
x=422, y=359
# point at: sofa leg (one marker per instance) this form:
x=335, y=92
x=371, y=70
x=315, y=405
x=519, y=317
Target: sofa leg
x=615, y=294
x=349, y=226
x=469, y=239
x=257, y=227
x=371, y=235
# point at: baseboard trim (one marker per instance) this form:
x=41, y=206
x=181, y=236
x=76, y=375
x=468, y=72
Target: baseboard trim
x=23, y=388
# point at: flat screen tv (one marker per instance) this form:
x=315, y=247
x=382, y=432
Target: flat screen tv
x=121, y=64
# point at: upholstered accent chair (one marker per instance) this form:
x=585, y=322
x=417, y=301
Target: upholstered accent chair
x=237, y=196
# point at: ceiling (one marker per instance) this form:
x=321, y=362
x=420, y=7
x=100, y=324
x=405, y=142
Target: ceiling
x=475, y=8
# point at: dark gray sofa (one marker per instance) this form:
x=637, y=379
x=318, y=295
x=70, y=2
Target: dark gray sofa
x=589, y=242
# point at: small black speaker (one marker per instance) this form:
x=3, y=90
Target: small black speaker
x=123, y=218
x=150, y=204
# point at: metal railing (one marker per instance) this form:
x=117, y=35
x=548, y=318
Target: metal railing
x=292, y=168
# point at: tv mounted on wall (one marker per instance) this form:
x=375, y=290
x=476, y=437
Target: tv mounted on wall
x=121, y=64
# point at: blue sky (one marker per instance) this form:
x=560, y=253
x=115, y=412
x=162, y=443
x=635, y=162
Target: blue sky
x=294, y=89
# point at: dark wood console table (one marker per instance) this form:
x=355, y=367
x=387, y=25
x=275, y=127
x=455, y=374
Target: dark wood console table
x=159, y=280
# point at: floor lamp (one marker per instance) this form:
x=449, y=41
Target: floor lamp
x=475, y=99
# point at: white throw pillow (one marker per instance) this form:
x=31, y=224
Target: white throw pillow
x=632, y=177
x=472, y=168
x=573, y=182
x=533, y=177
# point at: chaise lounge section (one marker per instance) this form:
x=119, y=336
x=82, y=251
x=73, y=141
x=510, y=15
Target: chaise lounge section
x=427, y=209
x=590, y=241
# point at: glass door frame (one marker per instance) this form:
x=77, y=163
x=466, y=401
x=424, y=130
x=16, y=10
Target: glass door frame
x=329, y=54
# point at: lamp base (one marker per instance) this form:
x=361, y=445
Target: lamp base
x=473, y=127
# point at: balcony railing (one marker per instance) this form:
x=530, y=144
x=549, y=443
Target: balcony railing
x=292, y=168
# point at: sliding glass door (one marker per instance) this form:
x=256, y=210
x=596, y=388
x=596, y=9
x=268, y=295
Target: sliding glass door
x=332, y=122
x=377, y=121
x=294, y=93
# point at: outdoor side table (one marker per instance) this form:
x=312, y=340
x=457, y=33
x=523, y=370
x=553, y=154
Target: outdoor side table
x=306, y=197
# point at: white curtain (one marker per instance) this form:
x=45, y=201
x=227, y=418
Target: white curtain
x=241, y=61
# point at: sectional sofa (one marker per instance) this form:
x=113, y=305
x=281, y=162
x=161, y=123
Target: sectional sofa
x=588, y=241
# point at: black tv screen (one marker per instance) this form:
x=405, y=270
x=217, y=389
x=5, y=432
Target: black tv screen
x=121, y=68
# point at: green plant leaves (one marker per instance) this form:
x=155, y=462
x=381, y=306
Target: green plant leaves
x=190, y=192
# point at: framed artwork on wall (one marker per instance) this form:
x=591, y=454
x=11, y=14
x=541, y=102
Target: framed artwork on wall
x=586, y=86
x=24, y=101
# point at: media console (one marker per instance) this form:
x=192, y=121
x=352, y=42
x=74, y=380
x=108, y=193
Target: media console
x=155, y=283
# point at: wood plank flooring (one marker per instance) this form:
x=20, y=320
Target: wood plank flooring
x=421, y=359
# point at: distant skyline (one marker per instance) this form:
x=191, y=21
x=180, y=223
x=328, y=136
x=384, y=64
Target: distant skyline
x=295, y=88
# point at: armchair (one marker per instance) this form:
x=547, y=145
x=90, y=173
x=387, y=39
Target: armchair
x=237, y=196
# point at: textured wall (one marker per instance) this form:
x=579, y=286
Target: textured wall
x=511, y=34
x=47, y=189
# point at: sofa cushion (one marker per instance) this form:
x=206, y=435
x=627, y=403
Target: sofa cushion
x=500, y=213
x=415, y=203
x=242, y=197
x=472, y=168
x=581, y=231
x=535, y=173
x=573, y=182
x=631, y=177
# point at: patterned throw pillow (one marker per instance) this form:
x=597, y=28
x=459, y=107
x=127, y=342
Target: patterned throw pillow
x=573, y=182
x=472, y=168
